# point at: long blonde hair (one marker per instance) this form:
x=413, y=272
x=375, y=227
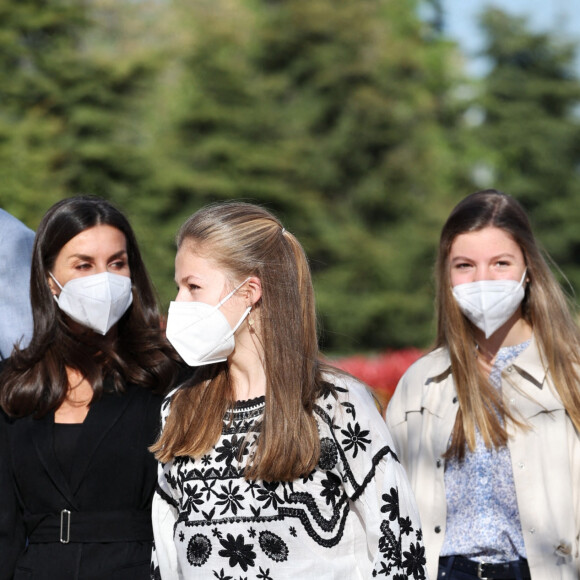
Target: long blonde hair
x=545, y=308
x=246, y=240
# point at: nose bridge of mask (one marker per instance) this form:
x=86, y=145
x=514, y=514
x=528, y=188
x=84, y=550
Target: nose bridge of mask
x=95, y=288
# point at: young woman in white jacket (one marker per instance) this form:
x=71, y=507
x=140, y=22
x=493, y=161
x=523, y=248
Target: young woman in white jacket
x=487, y=424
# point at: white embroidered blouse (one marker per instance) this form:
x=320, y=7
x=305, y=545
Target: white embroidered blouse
x=353, y=517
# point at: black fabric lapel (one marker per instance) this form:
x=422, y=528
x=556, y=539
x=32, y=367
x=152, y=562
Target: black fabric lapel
x=102, y=416
x=43, y=437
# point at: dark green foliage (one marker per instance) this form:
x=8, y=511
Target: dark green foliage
x=329, y=115
x=66, y=103
x=532, y=128
x=344, y=118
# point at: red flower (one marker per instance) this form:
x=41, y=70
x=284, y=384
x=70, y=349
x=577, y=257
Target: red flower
x=382, y=372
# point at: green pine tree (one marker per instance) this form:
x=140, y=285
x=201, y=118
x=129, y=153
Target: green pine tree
x=532, y=129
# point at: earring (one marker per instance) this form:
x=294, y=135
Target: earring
x=251, y=323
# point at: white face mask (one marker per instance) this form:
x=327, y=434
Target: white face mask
x=97, y=301
x=200, y=333
x=489, y=303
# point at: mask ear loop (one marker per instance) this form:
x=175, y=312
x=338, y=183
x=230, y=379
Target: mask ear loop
x=244, y=315
x=226, y=298
x=57, y=283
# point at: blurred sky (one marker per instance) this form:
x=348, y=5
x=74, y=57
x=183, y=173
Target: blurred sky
x=460, y=18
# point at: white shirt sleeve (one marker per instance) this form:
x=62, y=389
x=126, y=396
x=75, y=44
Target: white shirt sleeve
x=380, y=491
x=164, y=516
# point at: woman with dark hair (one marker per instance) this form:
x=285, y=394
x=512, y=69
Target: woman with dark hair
x=487, y=424
x=273, y=465
x=82, y=404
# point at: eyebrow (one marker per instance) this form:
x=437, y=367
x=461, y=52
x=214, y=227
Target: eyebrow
x=185, y=279
x=502, y=255
x=88, y=258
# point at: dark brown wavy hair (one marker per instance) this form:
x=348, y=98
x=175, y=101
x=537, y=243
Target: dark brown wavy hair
x=544, y=307
x=246, y=240
x=34, y=380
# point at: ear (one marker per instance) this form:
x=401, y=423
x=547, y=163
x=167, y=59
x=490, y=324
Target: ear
x=54, y=289
x=253, y=291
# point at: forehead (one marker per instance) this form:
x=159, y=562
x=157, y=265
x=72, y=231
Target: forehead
x=191, y=261
x=487, y=242
x=100, y=239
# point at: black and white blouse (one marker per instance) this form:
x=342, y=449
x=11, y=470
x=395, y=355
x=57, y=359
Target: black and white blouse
x=353, y=517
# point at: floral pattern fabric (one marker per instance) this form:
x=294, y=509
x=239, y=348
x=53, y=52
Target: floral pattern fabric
x=483, y=520
x=352, y=517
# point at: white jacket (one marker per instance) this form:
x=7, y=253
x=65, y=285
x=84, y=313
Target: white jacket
x=545, y=459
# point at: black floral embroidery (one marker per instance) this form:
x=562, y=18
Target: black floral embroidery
x=389, y=545
x=414, y=561
x=230, y=450
x=230, y=498
x=238, y=552
x=264, y=574
x=267, y=495
x=332, y=488
x=391, y=507
x=406, y=525
x=273, y=546
x=198, y=550
x=350, y=409
x=155, y=573
x=249, y=524
x=193, y=498
x=355, y=438
x=328, y=454
x=251, y=486
x=208, y=489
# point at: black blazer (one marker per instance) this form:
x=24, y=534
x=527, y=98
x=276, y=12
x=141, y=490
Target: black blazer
x=108, y=496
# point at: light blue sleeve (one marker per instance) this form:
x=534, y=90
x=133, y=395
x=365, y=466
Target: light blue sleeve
x=16, y=242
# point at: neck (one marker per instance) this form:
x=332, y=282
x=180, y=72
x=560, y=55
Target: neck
x=248, y=378
x=75, y=407
x=515, y=331
x=246, y=365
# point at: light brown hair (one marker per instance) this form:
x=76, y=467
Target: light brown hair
x=246, y=240
x=544, y=307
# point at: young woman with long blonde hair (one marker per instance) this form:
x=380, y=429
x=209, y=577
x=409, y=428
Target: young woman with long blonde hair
x=487, y=423
x=272, y=464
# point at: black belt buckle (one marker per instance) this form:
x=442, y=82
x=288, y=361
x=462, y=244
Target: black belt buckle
x=65, y=526
x=480, y=566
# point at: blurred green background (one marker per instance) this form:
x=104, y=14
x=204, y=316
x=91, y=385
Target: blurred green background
x=353, y=120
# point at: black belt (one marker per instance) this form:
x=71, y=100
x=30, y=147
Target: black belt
x=505, y=570
x=87, y=527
